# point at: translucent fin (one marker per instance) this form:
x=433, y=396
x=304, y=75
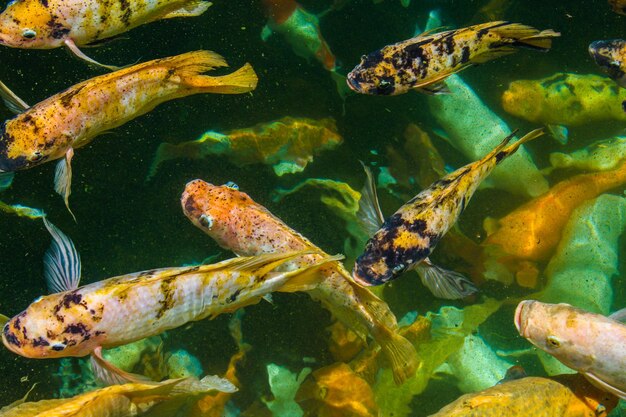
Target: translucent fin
x=206, y=384
x=266, y=32
x=80, y=54
x=241, y=81
x=262, y=264
x=61, y=261
x=11, y=100
x=604, y=386
x=434, y=89
x=369, y=216
x=402, y=357
x=191, y=10
x=6, y=179
x=443, y=283
x=63, y=179
x=307, y=278
x=109, y=374
x=619, y=315
x=559, y=132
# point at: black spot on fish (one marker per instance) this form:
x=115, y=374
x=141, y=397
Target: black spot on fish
x=78, y=328
x=99, y=332
x=66, y=98
x=418, y=226
x=40, y=341
x=168, y=300
x=465, y=54
x=556, y=79
x=448, y=43
x=233, y=297
x=125, y=7
x=372, y=60
x=500, y=156
x=58, y=347
x=44, y=3
x=386, y=86
x=147, y=273
x=11, y=338
x=9, y=164
x=190, y=206
x=57, y=30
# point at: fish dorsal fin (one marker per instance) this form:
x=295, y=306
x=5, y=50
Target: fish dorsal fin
x=110, y=374
x=262, y=264
x=61, y=261
x=369, y=216
x=11, y=100
x=619, y=315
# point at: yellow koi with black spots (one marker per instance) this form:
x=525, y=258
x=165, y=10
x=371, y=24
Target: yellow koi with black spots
x=406, y=239
x=423, y=62
x=123, y=309
x=53, y=128
x=46, y=24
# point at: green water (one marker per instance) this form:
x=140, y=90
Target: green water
x=126, y=224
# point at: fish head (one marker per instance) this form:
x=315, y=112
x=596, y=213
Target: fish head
x=523, y=99
x=371, y=268
x=21, y=147
x=31, y=24
x=373, y=76
x=610, y=56
x=561, y=330
x=52, y=326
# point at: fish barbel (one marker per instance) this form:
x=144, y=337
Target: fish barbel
x=123, y=309
x=610, y=55
x=53, y=128
x=589, y=343
x=238, y=223
x=423, y=62
x=46, y=24
x=406, y=239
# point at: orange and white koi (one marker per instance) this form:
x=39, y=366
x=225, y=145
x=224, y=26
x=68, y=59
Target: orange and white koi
x=406, y=239
x=238, y=223
x=423, y=62
x=590, y=343
x=300, y=29
x=77, y=321
x=53, y=128
x=46, y=24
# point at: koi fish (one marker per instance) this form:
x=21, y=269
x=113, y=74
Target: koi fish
x=300, y=29
x=619, y=6
x=238, y=223
x=77, y=321
x=423, y=62
x=123, y=400
x=611, y=58
x=589, y=343
x=47, y=24
x=53, y=128
x=407, y=238
x=560, y=396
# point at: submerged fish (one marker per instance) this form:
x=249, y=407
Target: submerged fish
x=619, y=6
x=53, y=128
x=238, y=223
x=610, y=56
x=561, y=396
x=590, y=343
x=406, y=239
x=46, y=24
x=423, y=62
x=81, y=321
x=158, y=399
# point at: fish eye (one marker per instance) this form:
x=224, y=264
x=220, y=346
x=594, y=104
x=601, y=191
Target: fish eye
x=58, y=346
x=206, y=221
x=553, y=341
x=29, y=33
x=37, y=155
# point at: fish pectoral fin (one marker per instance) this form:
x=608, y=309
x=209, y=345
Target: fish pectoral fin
x=369, y=217
x=110, y=374
x=11, y=100
x=604, y=386
x=4, y=320
x=6, y=179
x=80, y=54
x=61, y=261
x=434, y=89
x=307, y=277
x=63, y=179
x=195, y=8
x=443, y=283
x=619, y=315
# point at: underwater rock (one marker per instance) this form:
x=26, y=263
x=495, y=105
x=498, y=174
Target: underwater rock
x=565, y=99
x=284, y=385
x=531, y=232
x=336, y=391
x=475, y=130
x=599, y=156
x=288, y=145
x=586, y=260
x=562, y=396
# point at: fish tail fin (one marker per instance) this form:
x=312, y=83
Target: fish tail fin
x=307, y=277
x=165, y=152
x=519, y=35
x=241, y=81
x=401, y=355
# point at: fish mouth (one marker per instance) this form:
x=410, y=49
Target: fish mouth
x=353, y=83
x=521, y=316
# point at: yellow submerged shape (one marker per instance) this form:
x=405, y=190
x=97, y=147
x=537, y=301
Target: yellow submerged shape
x=565, y=99
x=288, y=144
x=121, y=400
x=45, y=24
x=53, y=128
x=562, y=396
